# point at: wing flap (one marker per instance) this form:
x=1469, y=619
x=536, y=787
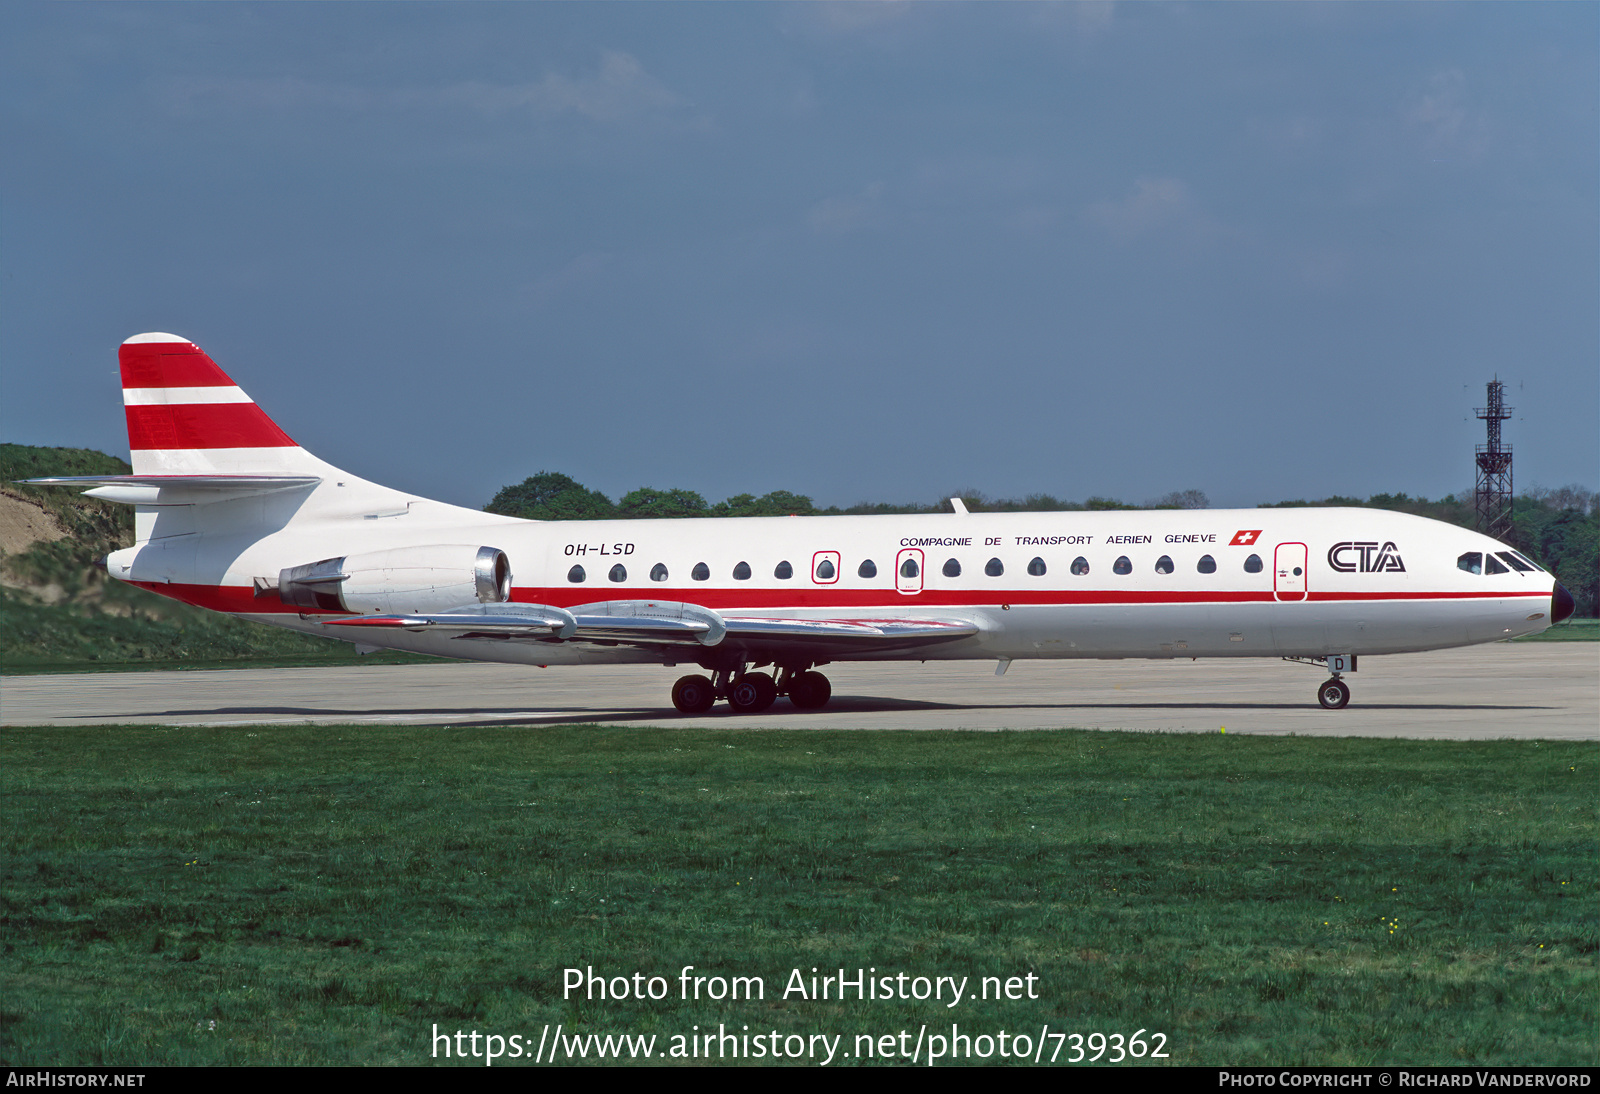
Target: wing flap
x=841, y=637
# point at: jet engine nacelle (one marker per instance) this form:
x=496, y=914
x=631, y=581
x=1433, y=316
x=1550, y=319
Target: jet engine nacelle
x=407, y=580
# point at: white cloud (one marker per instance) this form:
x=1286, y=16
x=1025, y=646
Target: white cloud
x=1155, y=204
x=619, y=89
x=1443, y=114
x=848, y=213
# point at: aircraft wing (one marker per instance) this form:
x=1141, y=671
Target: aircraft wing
x=663, y=625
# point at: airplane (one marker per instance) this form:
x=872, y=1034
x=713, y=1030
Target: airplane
x=234, y=516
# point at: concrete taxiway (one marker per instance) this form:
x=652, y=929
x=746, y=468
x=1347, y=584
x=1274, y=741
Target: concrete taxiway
x=1527, y=690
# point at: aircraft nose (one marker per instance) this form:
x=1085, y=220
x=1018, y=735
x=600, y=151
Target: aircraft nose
x=1560, y=603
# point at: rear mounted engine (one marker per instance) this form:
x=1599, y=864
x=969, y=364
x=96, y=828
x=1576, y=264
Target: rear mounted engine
x=407, y=580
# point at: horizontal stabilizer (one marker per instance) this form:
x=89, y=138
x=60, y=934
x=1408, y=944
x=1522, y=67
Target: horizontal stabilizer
x=178, y=489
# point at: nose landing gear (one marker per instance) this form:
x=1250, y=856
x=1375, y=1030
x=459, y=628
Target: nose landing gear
x=1334, y=694
x=752, y=692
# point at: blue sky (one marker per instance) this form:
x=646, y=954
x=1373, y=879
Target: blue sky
x=868, y=251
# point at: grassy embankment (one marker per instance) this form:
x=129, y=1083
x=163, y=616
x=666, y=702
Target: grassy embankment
x=328, y=894
x=61, y=613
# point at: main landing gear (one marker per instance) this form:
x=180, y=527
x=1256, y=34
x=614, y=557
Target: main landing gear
x=752, y=692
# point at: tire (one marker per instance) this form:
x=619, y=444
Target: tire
x=693, y=694
x=1334, y=694
x=810, y=691
x=752, y=693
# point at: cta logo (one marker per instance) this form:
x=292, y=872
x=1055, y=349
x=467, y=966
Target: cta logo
x=1365, y=558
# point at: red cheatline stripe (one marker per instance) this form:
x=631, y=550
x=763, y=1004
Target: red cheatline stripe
x=242, y=598
x=169, y=364
x=203, y=425
x=830, y=597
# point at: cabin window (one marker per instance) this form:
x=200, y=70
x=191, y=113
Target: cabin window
x=1492, y=565
x=741, y=572
x=1164, y=564
x=1252, y=565
x=575, y=575
x=1207, y=565
x=994, y=567
x=1080, y=566
x=826, y=570
x=909, y=568
x=1122, y=565
x=619, y=572
x=1036, y=568
x=658, y=572
x=701, y=572
x=783, y=571
x=952, y=568
x=1515, y=562
x=868, y=568
x=1472, y=562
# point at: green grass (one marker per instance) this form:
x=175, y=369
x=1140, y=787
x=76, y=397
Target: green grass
x=328, y=894
x=129, y=628
x=1573, y=630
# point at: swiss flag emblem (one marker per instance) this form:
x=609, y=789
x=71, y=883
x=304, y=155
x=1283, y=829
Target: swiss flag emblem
x=1245, y=539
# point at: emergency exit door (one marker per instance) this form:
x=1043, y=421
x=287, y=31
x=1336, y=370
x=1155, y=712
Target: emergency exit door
x=1289, y=572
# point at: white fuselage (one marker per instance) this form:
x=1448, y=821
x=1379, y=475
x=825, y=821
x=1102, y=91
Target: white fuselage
x=1330, y=581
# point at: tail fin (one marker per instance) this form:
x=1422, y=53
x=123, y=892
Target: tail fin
x=187, y=417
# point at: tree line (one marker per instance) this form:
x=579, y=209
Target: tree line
x=1560, y=528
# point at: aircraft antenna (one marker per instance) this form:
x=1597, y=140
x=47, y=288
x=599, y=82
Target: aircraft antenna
x=1493, y=492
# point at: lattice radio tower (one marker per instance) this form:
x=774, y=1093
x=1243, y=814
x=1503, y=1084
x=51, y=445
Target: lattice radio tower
x=1493, y=491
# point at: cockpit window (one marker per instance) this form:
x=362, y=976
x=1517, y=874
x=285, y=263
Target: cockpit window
x=1492, y=565
x=1472, y=562
x=1516, y=563
x=1529, y=561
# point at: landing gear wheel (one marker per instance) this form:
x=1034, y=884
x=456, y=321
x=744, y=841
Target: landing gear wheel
x=1334, y=694
x=752, y=693
x=693, y=694
x=810, y=691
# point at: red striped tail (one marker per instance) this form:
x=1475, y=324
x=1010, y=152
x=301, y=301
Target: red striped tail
x=186, y=416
